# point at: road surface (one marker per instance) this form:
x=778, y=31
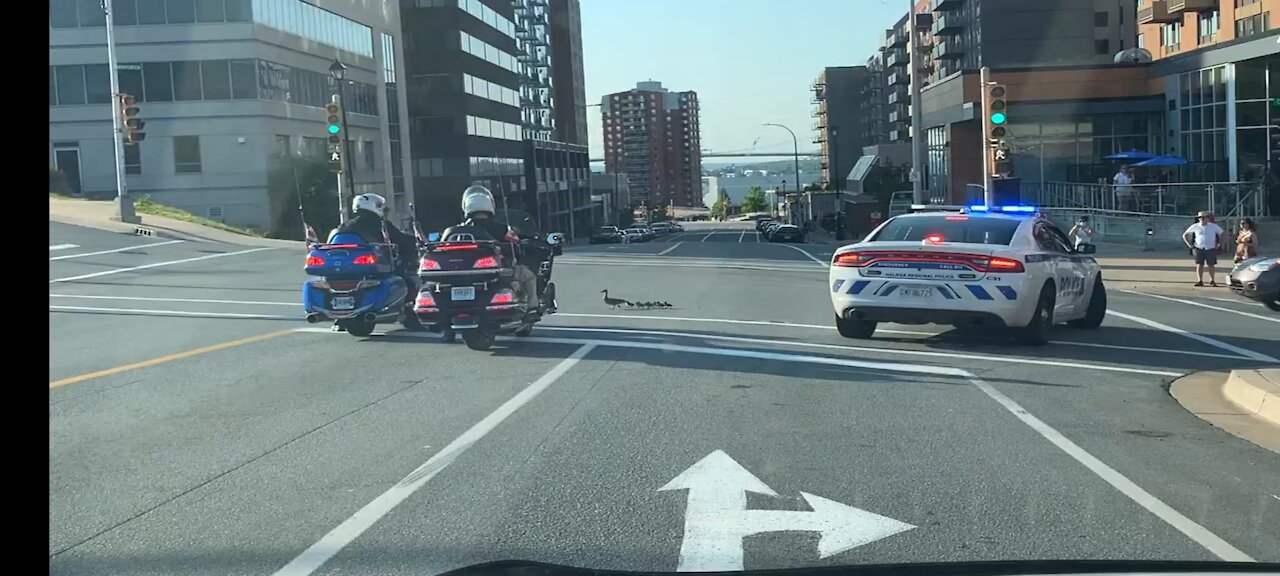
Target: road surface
x=199, y=426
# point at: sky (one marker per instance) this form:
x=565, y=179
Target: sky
x=750, y=61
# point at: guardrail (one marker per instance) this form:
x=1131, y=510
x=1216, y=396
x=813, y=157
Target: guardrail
x=1224, y=199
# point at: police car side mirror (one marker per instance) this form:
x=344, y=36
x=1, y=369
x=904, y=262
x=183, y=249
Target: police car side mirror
x=433, y=237
x=1086, y=249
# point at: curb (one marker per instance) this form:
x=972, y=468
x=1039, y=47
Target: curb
x=1256, y=391
x=1206, y=396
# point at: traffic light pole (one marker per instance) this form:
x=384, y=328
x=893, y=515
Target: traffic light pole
x=918, y=153
x=988, y=195
x=124, y=204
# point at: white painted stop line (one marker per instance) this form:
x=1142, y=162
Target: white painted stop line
x=56, y=247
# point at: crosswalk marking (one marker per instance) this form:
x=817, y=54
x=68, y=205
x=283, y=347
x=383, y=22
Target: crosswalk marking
x=55, y=247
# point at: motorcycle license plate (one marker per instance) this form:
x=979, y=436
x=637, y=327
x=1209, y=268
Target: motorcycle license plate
x=343, y=303
x=464, y=293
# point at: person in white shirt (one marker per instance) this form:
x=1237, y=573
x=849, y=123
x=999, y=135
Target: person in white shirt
x=1081, y=233
x=1123, y=181
x=1204, y=238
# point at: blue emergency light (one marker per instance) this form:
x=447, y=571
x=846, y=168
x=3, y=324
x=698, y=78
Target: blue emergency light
x=1014, y=209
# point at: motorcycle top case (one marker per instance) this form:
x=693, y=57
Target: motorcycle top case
x=348, y=255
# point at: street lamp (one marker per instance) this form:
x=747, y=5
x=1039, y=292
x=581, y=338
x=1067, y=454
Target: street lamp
x=338, y=71
x=836, y=177
x=795, y=147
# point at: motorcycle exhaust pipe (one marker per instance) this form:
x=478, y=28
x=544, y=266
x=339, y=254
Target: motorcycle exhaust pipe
x=371, y=318
x=314, y=317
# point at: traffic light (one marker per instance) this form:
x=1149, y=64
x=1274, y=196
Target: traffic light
x=997, y=113
x=333, y=120
x=132, y=125
x=1001, y=162
x=671, y=211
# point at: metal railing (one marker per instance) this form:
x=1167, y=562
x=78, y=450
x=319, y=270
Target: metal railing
x=1224, y=199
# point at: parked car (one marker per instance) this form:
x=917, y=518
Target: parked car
x=607, y=235
x=787, y=233
x=635, y=235
x=762, y=223
x=1258, y=279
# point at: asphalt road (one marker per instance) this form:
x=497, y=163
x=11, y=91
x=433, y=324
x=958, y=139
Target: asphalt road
x=199, y=426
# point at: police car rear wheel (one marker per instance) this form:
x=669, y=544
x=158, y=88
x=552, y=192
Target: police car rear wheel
x=1036, y=333
x=1097, y=309
x=855, y=328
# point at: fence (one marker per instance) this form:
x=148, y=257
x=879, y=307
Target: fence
x=1224, y=199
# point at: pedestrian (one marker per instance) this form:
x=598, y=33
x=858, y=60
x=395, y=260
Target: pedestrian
x=1204, y=238
x=1081, y=233
x=1123, y=181
x=1246, y=241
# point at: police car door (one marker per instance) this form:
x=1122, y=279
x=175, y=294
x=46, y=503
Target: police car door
x=1058, y=263
x=1078, y=272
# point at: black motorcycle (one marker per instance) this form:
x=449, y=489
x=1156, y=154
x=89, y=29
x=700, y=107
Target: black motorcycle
x=469, y=287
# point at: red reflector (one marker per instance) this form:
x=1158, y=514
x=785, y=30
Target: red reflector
x=503, y=297
x=428, y=264
x=425, y=301
x=314, y=261
x=344, y=284
x=339, y=246
x=450, y=247
x=487, y=262
x=1004, y=265
x=365, y=259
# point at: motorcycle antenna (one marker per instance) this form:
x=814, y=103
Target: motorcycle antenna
x=308, y=233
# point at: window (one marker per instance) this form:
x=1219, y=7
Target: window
x=158, y=81
x=370, y=155
x=311, y=22
x=186, y=154
x=210, y=11
x=388, y=58
x=282, y=145
x=1100, y=19
x=132, y=159
x=90, y=13
x=244, y=79
x=71, y=85
x=216, y=79
x=1102, y=46
x=186, y=81
x=125, y=12
x=130, y=76
x=1208, y=25
x=181, y=11
x=976, y=230
x=1253, y=25
x=97, y=83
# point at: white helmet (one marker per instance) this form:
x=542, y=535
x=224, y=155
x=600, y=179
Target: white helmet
x=371, y=202
x=477, y=198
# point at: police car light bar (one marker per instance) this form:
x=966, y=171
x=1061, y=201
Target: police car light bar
x=936, y=208
x=1015, y=209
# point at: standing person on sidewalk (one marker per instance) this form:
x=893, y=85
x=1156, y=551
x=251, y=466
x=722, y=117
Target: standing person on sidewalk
x=1204, y=238
x=1246, y=241
x=1082, y=232
x=1123, y=181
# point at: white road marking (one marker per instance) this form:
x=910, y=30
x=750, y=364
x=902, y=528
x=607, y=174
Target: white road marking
x=190, y=300
x=717, y=519
x=704, y=238
x=1197, y=337
x=889, y=351
x=350, y=529
x=892, y=331
x=113, y=251
x=1230, y=301
x=744, y=235
x=56, y=247
x=668, y=250
x=677, y=264
x=154, y=265
x=148, y=312
x=1202, y=305
x=811, y=256
x=757, y=237
x=1201, y=535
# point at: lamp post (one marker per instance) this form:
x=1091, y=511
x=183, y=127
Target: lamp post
x=795, y=147
x=836, y=177
x=124, y=211
x=338, y=71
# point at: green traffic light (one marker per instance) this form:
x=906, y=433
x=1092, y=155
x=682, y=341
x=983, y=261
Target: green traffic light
x=998, y=118
x=333, y=128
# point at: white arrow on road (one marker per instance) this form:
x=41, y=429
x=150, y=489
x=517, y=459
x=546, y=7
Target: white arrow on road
x=717, y=519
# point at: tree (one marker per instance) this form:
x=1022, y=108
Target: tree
x=294, y=176
x=754, y=201
x=721, y=207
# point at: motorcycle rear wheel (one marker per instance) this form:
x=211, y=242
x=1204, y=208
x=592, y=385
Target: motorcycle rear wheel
x=477, y=339
x=358, y=328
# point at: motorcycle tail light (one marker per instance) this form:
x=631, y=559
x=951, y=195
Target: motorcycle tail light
x=503, y=297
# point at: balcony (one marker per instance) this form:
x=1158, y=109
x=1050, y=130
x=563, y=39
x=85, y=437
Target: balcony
x=947, y=50
x=1179, y=6
x=899, y=95
x=898, y=79
x=947, y=25
x=896, y=40
x=945, y=5
x=1157, y=11
x=896, y=59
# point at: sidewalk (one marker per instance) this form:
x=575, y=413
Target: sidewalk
x=97, y=214
x=1245, y=403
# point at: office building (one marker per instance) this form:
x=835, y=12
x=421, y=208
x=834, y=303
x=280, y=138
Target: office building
x=651, y=135
x=570, y=85
x=872, y=100
x=1171, y=27
x=839, y=114
x=226, y=88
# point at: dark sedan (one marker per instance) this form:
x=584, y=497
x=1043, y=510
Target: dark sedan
x=607, y=235
x=787, y=233
x=1258, y=279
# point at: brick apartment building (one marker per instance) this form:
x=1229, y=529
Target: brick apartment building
x=651, y=135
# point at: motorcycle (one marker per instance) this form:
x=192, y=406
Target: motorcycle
x=469, y=287
x=355, y=284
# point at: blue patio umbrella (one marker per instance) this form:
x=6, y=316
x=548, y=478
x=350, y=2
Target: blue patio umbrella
x=1159, y=161
x=1132, y=154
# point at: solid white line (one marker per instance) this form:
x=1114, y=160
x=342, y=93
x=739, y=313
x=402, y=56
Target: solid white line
x=744, y=235
x=154, y=265
x=811, y=256
x=146, y=312
x=1209, y=306
x=350, y=529
x=1201, y=535
x=668, y=250
x=1197, y=337
x=191, y=300
x=757, y=237
x=62, y=247
x=1229, y=301
x=704, y=238
x=690, y=265
x=113, y=251
x=892, y=351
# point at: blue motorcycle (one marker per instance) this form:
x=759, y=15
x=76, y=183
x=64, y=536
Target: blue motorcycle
x=355, y=284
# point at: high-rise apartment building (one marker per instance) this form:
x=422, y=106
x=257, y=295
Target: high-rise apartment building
x=839, y=118
x=651, y=135
x=1172, y=27
x=226, y=88
x=570, y=85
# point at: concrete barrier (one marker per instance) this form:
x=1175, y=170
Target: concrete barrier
x=1256, y=391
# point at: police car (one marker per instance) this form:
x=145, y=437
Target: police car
x=1002, y=267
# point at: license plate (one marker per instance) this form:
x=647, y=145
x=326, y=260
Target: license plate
x=916, y=292
x=464, y=293
x=343, y=303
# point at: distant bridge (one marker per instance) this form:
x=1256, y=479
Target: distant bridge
x=709, y=154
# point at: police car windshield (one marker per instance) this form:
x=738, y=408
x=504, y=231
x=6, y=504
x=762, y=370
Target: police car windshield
x=951, y=227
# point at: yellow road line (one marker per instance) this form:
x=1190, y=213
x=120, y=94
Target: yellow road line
x=167, y=358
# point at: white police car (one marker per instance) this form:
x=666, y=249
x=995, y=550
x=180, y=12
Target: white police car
x=1004, y=267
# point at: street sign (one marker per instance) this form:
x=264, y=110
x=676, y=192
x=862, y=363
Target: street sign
x=717, y=519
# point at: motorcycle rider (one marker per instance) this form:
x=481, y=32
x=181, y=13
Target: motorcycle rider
x=478, y=205
x=368, y=221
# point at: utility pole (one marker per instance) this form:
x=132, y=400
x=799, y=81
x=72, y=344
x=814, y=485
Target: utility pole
x=124, y=204
x=987, y=182
x=917, y=122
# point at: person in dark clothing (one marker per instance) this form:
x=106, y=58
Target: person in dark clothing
x=368, y=220
x=478, y=205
